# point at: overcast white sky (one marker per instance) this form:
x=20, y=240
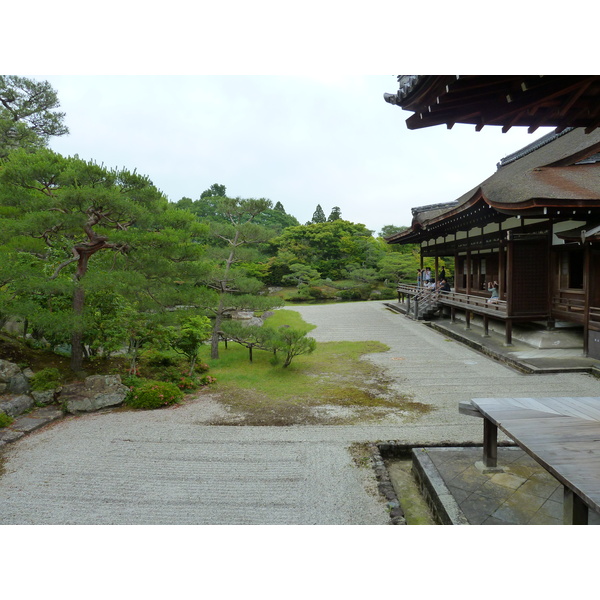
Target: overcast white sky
x=300, y=140
x=269, y=99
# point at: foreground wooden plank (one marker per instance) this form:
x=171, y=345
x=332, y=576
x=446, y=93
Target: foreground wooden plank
x=561, y=434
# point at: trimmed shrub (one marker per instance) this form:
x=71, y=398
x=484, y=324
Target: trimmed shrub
x=187, y=383
x=46, y=379
x=132, y=381
x=153, y=394
x=160, y=358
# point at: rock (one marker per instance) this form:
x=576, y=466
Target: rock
x=95, y=393
x=256, y=321
x=19, y=384
x=242, y=314
x=45, y=397
x=8, y=370
x=12, y=380
x=17, y=404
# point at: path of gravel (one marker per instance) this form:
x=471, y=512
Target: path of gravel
x=170, y=467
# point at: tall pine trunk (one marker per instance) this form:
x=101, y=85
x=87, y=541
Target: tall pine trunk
x=214, y=342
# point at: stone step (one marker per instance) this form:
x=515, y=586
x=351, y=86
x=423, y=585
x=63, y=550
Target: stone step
x=29, y=422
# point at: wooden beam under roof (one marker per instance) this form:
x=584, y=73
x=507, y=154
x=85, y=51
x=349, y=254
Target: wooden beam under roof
x=537, y=101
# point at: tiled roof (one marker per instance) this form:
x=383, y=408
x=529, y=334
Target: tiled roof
x=558, y=170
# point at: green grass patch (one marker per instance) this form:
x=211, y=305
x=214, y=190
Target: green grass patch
x=334, y=376
x=291, y=318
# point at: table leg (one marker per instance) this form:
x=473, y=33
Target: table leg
x=575, y=511
x=490, y=444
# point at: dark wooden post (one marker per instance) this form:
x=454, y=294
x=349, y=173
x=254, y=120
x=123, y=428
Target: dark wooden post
x=490, y=444
x=575, y=511
x=508, y=332
x=468, y=268
x=486, y=326
x=502, y=271
x=587, y=288
x=510, y=274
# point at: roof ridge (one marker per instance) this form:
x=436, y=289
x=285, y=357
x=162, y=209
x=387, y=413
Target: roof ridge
x=545, y=139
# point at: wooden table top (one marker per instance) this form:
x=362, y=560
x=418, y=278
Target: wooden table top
x=562, y=434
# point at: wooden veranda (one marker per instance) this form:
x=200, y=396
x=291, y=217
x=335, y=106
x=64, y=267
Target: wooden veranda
x=421, y=303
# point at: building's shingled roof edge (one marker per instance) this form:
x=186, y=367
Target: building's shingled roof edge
x=546, y=139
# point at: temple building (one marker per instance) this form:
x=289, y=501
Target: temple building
x=533, y=227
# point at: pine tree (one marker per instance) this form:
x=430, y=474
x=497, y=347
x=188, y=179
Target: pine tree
x=318, y=215
x=73, y=222
x=28, y=115
x=336, y=214
x=216, y=190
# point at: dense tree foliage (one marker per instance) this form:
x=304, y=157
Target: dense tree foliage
x=209, y=208
x=330, y=247
x=78, y=234
x=236, y=232
x=27, y=114
x=96, y=260
x=388, y=230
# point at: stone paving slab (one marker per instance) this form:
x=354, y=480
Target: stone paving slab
x=36, y=419
x=524, y=493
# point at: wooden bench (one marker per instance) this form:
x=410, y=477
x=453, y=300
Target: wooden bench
x=561, y=434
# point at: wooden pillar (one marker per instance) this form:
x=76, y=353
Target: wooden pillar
x=508, y=332
x=575, y=511
x=468, y=271
x=587, y=289
x=468, y=319
x=501, y=270
x=490, y=443
x=455, y=271
x=509, y=275
x=486, y=326
x=452, y=314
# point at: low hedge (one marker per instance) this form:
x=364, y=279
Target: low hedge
x=153, y=394
x=46, y=379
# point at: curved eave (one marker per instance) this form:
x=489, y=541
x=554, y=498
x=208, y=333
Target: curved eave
x=475, y=212
x=539, y=207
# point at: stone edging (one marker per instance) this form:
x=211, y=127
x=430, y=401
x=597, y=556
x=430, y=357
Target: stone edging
x=385, y=487
x=382, y=450
x=28, y=422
